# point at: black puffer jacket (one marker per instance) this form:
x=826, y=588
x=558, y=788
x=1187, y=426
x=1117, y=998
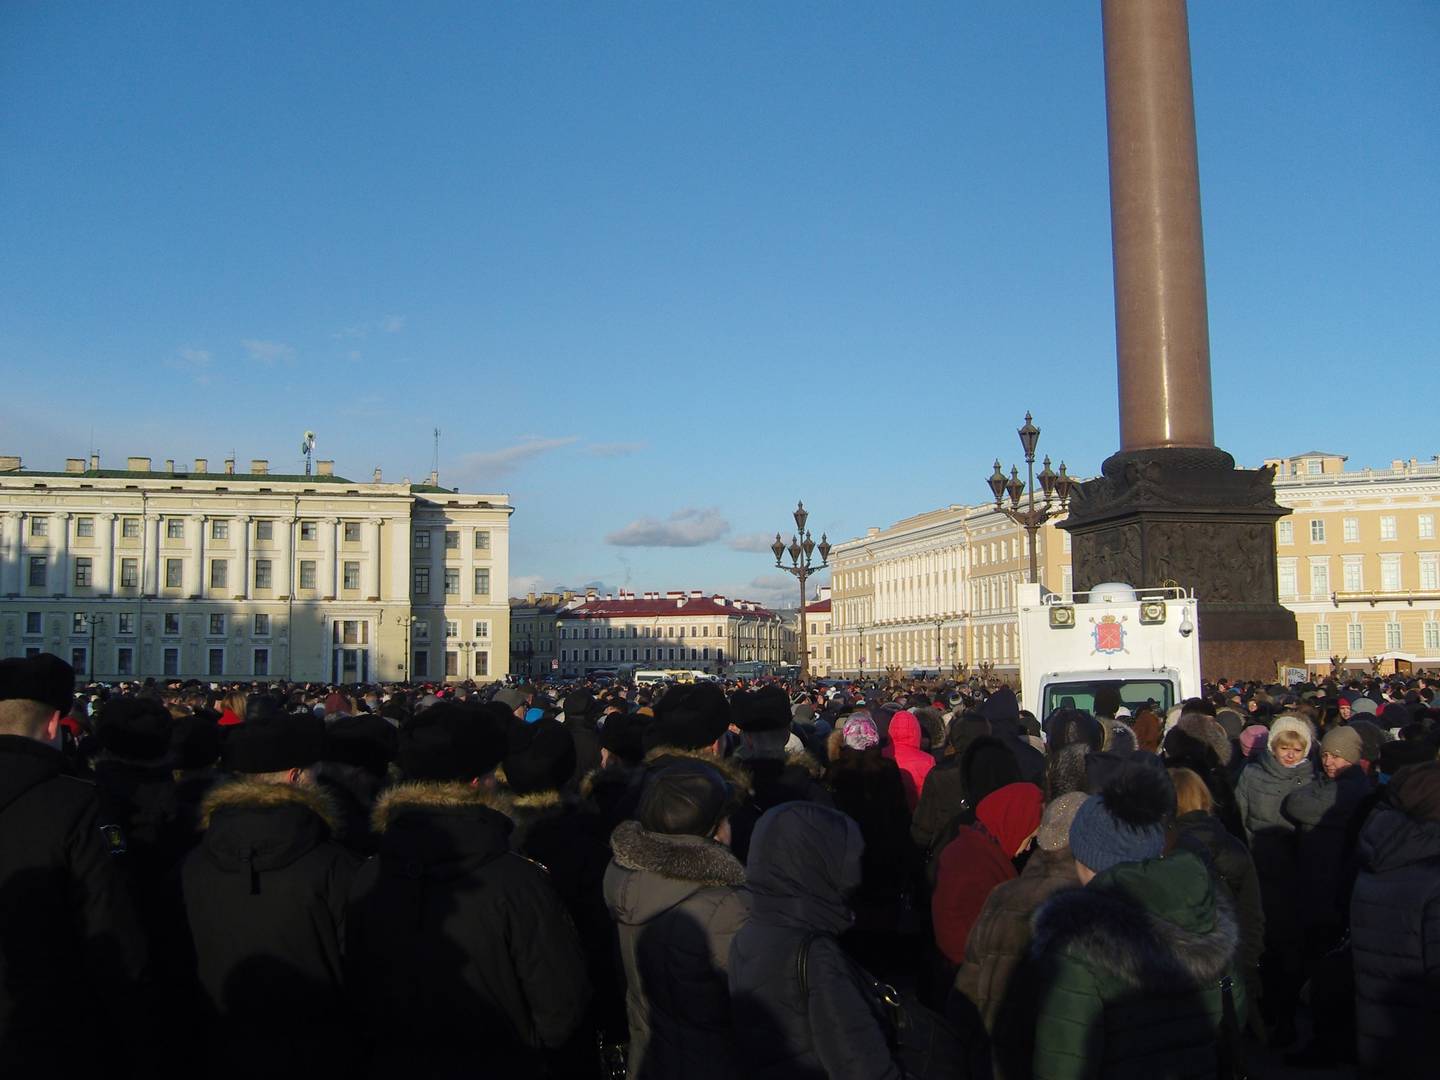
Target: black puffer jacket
x=459, y=953
x=677, y=904
x=1395, y=935
x=1322, y=812
x=265, y=900
x=1230, y=860
x=804, y=859
x=69, y=932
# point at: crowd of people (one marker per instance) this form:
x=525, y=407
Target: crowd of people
x=766, y=880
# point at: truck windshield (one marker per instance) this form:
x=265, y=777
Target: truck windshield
x=1135, y=693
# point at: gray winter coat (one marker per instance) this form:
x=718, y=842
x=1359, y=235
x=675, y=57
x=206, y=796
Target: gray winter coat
x=677, y=902
x=1259, y=794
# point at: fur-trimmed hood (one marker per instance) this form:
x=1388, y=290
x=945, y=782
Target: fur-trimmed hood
x=435, y=795
x=247, y=794
x=653, y=872
x=1148, y=926
x=733, y=770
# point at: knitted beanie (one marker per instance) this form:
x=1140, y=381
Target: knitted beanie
x=1343, y=742
x=1125, y=822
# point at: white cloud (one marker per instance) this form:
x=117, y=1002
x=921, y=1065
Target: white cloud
x=197, y=363
x=388, y=324
x=757, y=542
x=490, y=463
x=520, y=584
x=690, y=527
x=614, y=449
x=392, y=324
x=773, y=590
x=268, y=352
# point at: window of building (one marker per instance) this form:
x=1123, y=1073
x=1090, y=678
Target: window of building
x=1317, y=530
x=1387, y=527
x=85, y=526
x=39, y=526
x=422, y=539
x=175, y=528
x=1354, y=576
x=421, y=630
x=170, y=624
x=672, y=654
x=77, y=623
x=1392, y=636
x=130, y=528
x=1389, y=573
x=262, y=626
x=1432, y=636
x=452, y=628
x=129, y=573
x=352, y=532
x=219, y=529
x=1322, y=639
x=1287, y=579
x=261, y=663
x=38, y=570
x=215, y=661
x=33, y=624
x=82, y=572
x=1284, y=532
x=1355, y=637
x=309, y=530
x=124, y=660
x=1430, y=572
x=264, y=530
x=482, y=539
x=351, y=632
x=1351, y=529
x=420, y=664
x=452, y=663
x=219, y=573
x=452, y=540
x=125, y=622
x=452, y=582
x=421, y=575
x=482, y=628
x=307, y=573
x=170, y=661
x=482, y=662
x=217, y=625
x=1313, y=466
x=1319, y=578
x=174, y=573
x=351, y=575
x=1426, y=525
x=647, y=654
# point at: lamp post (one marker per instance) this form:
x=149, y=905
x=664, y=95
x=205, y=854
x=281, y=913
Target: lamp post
x=465, y=647
x=95, y=620
x=406, y=621
x=1054, y=485
x=802, y=565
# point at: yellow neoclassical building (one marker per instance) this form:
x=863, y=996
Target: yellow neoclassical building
x=250, y=575
x=1358, y=560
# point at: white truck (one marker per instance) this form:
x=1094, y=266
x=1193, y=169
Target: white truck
x=1143, y=642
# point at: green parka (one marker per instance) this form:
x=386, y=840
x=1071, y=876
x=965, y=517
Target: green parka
x=1130, y=968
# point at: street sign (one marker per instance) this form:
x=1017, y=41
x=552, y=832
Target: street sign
x=554, y=665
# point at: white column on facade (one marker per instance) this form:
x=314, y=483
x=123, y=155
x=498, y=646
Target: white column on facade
x=437, y=565
x=400, y=548
x=104, y=576
x=242, y=551
x=284, y=532
x=327, y=558
x=467, y=565
x=195, y=564
x=150, y=582
x=60, y=539
x=339, y=559
x=370, y=568
x=11, y=557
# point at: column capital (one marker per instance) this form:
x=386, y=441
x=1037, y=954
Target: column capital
x=61, y=515
x=106, y=515
x=152, y=515
x=331, y=520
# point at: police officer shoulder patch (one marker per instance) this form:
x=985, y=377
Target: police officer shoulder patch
x=114, y=839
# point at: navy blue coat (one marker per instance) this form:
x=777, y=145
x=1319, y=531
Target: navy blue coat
x=804, y=859
x=1395, y=933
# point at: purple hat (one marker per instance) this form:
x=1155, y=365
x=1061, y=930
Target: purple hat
x=858, y=731
x=1251, y=737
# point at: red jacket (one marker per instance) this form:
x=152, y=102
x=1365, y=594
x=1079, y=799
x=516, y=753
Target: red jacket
x=913, y=762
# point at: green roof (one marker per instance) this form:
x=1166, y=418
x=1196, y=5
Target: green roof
x=228, y=478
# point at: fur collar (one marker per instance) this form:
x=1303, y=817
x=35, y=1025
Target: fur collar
x=683, y=858
x=434, y=795
x=733, y=771
x=537, y=800
x=248, y=794
x=1113, y=934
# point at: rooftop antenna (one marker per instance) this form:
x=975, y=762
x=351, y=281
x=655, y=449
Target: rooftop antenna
x=307, y=447
x=435, y=460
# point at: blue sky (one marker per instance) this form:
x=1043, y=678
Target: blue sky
x=658, y=270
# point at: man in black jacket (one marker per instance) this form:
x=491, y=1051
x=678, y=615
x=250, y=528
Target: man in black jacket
x=265, y=898
x=68, y=928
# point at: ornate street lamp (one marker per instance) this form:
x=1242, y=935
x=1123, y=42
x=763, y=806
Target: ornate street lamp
x=95, y=619
x=802, y=551
x=1056, y=487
